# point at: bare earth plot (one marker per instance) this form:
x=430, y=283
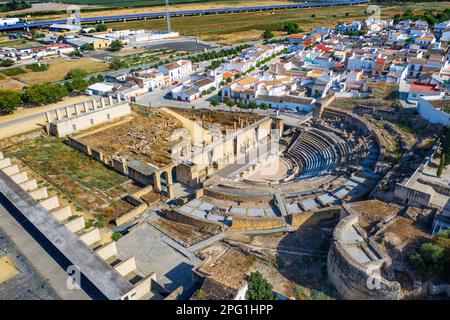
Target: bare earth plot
x=144, y=137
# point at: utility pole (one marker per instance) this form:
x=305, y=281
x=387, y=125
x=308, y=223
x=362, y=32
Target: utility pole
x=168, y=17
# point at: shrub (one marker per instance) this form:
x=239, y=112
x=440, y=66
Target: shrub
x=6, y=63
x=116, y=45
x=76, y=54
x=14, y=72
x=99, y=224
x=259, y=288
x=87, y=47
x=268, y=35
x=100, y=28
x=264, y=106
x=88, y=224
x=36, y=67
x=116, y=236
x=76, y=73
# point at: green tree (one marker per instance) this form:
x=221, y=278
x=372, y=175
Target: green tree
x=268, y=35
x=252, y=105
x=9, y=100
x=76, y=73
x=76, y=53
x=214, y=102
x=259, y=288
x=292, y=27
x=43, y=93
x=241, y=104
x=100, y=28
x=87, y=47
x=264, y=106
x=231, y=104
x=116, y=45
x=6, y=63
x=77, y=85
x=429, y=259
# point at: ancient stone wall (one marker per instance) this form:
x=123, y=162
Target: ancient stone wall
x=201, y=224
x=247, y=224
x=313, y=217
x=78, y=145
x=236, y=197
x=353, y=278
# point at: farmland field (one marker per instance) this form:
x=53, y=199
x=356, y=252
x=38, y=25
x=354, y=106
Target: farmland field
x=192, y=5
x=239, y=27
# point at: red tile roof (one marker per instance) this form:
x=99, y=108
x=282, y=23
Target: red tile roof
x=422, y=87
x=323, y=47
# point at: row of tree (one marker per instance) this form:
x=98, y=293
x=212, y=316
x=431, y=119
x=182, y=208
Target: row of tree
x=429, y=16
x=205, y=56
x=14, y=5
x=41, y=94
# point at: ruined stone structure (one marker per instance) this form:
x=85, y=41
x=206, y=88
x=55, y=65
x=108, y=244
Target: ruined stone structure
x=83, y=116
x=356, y=265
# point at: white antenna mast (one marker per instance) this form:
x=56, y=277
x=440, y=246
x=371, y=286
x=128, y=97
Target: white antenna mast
x=168, y=17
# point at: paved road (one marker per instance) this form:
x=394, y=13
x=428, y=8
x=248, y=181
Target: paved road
x=34, y=116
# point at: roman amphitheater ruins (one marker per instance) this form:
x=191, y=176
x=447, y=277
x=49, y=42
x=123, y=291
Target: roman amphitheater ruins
x=217, y=172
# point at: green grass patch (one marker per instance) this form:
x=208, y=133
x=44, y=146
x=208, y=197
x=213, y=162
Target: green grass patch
x=35, y=67
x=64, y=166
x=14, y=72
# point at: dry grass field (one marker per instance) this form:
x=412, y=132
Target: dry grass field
x=183, y=6
x=238, y=27
x=58, y=69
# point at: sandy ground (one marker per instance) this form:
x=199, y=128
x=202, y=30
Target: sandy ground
x=7, y=269
x=33, y=124
x=186, y=6
x=272, y=170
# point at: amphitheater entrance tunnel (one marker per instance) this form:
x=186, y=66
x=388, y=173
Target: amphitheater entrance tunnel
x=163, y=182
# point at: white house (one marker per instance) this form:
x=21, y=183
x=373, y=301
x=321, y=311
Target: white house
x=417, y=90
x=177, y=71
